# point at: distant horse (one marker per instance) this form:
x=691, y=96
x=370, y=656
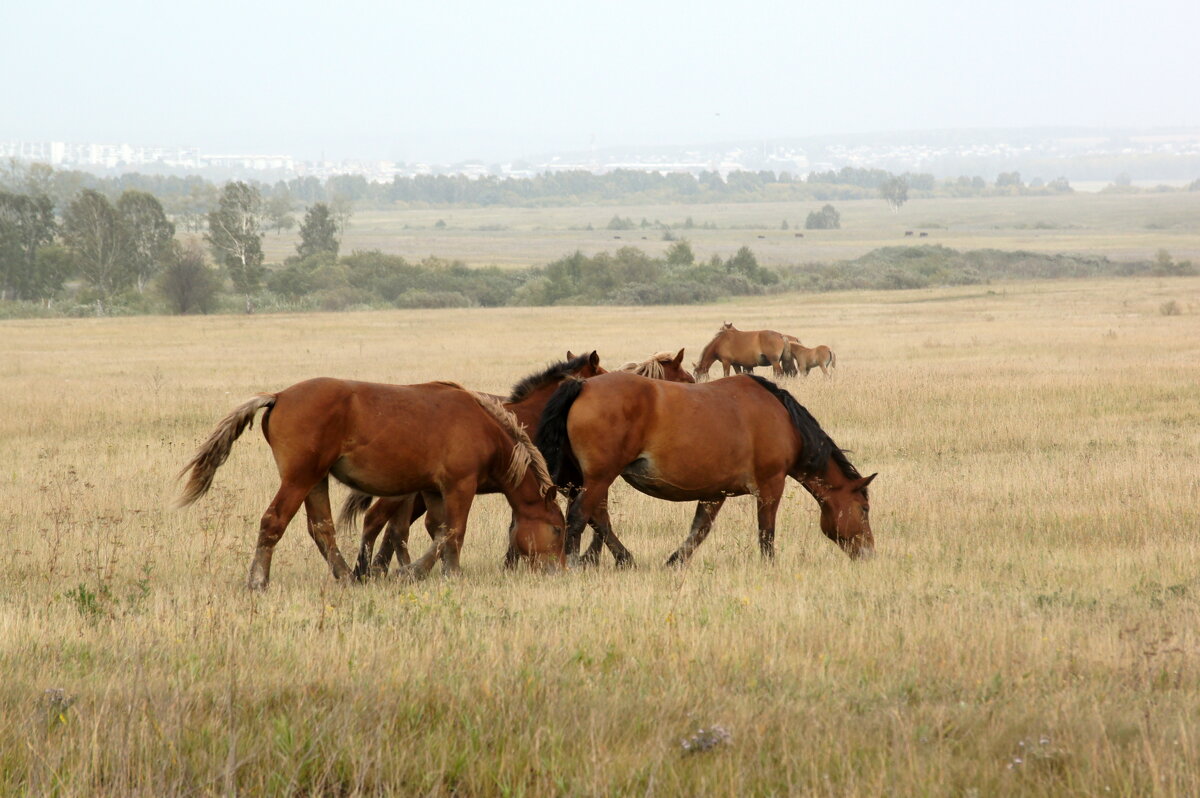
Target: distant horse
x=734, y=348
x=526, y=402
x=437, y=439
x=661, y=366
x=397, y=513
x=701, y=443
x=805, y=359
x=786, y=361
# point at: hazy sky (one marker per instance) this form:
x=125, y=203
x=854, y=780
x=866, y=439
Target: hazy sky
x=449, y=80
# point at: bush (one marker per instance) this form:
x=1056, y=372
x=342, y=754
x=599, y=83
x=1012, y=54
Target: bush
x=825, y=219
x=433, y=299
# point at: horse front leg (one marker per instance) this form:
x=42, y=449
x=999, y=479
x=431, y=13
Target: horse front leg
x=702, y=524
x=439, y=521
x=768, y=506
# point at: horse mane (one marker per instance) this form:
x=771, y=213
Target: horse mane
x=651, y=367
x=525, y=455
x=818, y=446
x=551, y=374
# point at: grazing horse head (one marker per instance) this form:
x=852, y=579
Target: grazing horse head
x=537, y=527
x=845, y=515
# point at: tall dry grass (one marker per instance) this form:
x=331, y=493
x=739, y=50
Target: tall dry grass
x=1028, y=626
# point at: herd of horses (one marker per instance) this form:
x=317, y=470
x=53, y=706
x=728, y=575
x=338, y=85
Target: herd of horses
x=573, y=428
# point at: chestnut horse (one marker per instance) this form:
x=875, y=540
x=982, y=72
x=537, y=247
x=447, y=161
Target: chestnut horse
x=704, y=443
x=397, y=513
x=736, y=348
x=437, y=439
x=804, y=359
x=526, y=402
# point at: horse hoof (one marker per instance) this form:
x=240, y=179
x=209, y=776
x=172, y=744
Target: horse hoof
x=626, y=563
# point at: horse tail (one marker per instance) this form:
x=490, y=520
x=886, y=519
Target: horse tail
x=214, y=451
x=552, y=439
x=787, y=360
x=832, y=359
x=355, y=505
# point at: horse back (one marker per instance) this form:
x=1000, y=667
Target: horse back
x=384, y=439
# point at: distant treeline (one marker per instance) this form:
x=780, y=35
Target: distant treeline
x=188, y=199
x=99, y=255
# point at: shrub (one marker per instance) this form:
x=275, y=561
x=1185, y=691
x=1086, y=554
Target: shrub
x=827, y=218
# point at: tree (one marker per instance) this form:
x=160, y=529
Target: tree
x=895, y=191
x=680, y=254
x=342, y=208
x=188, y=283
x=92, y=229
x=827, y=218
x=148, y=234
x=279, y=212
x=26, y=224
x=1009, y=180
x=235, y=238
x=318, y=233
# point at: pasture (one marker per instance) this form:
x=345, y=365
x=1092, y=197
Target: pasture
x=1121, y=226
x=1028, y=625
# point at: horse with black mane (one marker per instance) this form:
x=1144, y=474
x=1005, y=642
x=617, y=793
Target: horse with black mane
x=703, y=443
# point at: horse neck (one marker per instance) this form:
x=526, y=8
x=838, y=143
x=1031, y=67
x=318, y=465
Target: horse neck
x=529, y=409
x=830, y=477
x=526, y=496
x=709, y=355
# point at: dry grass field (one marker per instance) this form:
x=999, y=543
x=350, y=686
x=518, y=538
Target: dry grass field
x=1121, y=226
x=1028, y=626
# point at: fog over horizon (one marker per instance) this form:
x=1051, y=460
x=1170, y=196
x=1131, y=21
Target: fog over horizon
x=460, y=81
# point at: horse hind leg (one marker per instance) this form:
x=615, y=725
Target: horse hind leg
x=392, y=517
x=320, y=528
x=622, y=555
x=274, y=522
x=702, y=524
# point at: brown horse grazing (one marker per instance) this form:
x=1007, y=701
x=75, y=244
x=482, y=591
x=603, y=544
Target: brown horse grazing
x=437, y=439
x=397, y=513
x=702, y=443
x=805, y=359
x=526, y=402
x=662, y=366
x=735, y=348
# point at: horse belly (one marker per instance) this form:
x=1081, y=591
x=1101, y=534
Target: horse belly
x=647, y=478
x=397, y=480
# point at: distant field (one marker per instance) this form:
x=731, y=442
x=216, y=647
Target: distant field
x=1121, y=226
x=1028, y=626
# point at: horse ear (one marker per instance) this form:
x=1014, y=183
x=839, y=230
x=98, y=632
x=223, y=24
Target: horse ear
x=862, y=483
x=594, y=359
x=570, y=355
x=551, y=495
x=678, y=361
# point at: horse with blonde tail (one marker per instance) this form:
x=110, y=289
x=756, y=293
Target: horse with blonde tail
x=436, y=439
